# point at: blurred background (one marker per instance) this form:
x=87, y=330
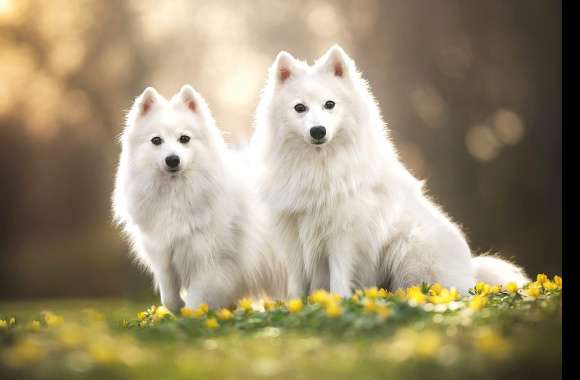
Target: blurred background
x=471, y=91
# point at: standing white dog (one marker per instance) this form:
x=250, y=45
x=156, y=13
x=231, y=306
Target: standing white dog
x=348, y=212
x=188, y=208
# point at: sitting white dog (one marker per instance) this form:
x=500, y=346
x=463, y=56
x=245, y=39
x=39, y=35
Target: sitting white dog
x=348, y=212
x=192, y=215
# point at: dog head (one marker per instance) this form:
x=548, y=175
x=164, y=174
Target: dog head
x=315, y=102
x=171, y=138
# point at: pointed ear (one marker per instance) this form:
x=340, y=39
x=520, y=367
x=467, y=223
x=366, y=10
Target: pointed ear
x=336, y=61
x=147, y=100
x=189, y=97
x=284, y=67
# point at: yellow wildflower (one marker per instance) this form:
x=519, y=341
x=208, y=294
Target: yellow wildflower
x=52, y=319
x=435, y=289
x=319, y=297
x=558, y=281
x=495, y=289
x=295, y=305
x=489, y=341
x=3, y=324
x=141, y=315
x=160, y=313
x=269, y=304
x=549, y=285
x=201, y=311
x=477, y=302
x=512, y=287
x=212, y=323
x=333, y=309
x=383, y=293
x=369, y=306
x=245, y=304
x=371, y=293
x=186, y=312
x=533, y=290
x=445, y=296
x=482, y=288
x=541, y=278
x=415, y=294
x=224, y=314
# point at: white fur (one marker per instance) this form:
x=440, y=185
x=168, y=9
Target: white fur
x=348, y=212
x=201, y=231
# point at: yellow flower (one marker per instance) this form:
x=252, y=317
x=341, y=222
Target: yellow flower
x=445, y=296
x=435, y=289
x=295, y=305
x=212, y=323
x=533, y=290
x=142, y=315
x=160, y=313
x=224, y=314
x=52, y=319
x=482, y=288
x=12, y=321
x=269, y=304
x=372, y=293
x=201, y=311
x=541, y=278
x=383, y=293
x=320, y=297
x=489, y=341
x=549, y=285
x=245, y=304
x=369, y=306
x=558, y=281
x=333, y=309
x=186, y=312
x=477, y=302
x=495, y=289
x=415, y=294
x=512, y=287
x=3, y=324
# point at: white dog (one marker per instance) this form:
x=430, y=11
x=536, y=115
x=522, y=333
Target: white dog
x=192, y=215
x=348, y=212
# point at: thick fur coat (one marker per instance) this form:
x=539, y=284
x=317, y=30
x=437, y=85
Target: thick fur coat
x=347, y=211
x=189, y=207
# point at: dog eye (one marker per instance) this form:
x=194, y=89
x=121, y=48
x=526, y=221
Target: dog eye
x=156, y=140
x=329, y=105
x=300, y=108
x=184, y=139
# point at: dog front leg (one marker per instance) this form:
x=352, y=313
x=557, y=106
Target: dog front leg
x=340, y=263
x=169, y=285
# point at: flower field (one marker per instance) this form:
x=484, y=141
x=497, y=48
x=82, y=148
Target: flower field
x=424, y=332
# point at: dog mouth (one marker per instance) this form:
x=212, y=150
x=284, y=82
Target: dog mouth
x=318, y=142
x=172, y=170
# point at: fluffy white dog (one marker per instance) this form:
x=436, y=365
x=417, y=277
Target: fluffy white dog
x=192, y=215
x=348, y=212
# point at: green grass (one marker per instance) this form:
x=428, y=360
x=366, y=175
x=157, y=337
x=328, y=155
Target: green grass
x=423, y=333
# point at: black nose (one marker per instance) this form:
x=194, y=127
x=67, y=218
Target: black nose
x=172, y=161
x=317, y=132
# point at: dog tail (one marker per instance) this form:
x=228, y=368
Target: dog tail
x=497, y=271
